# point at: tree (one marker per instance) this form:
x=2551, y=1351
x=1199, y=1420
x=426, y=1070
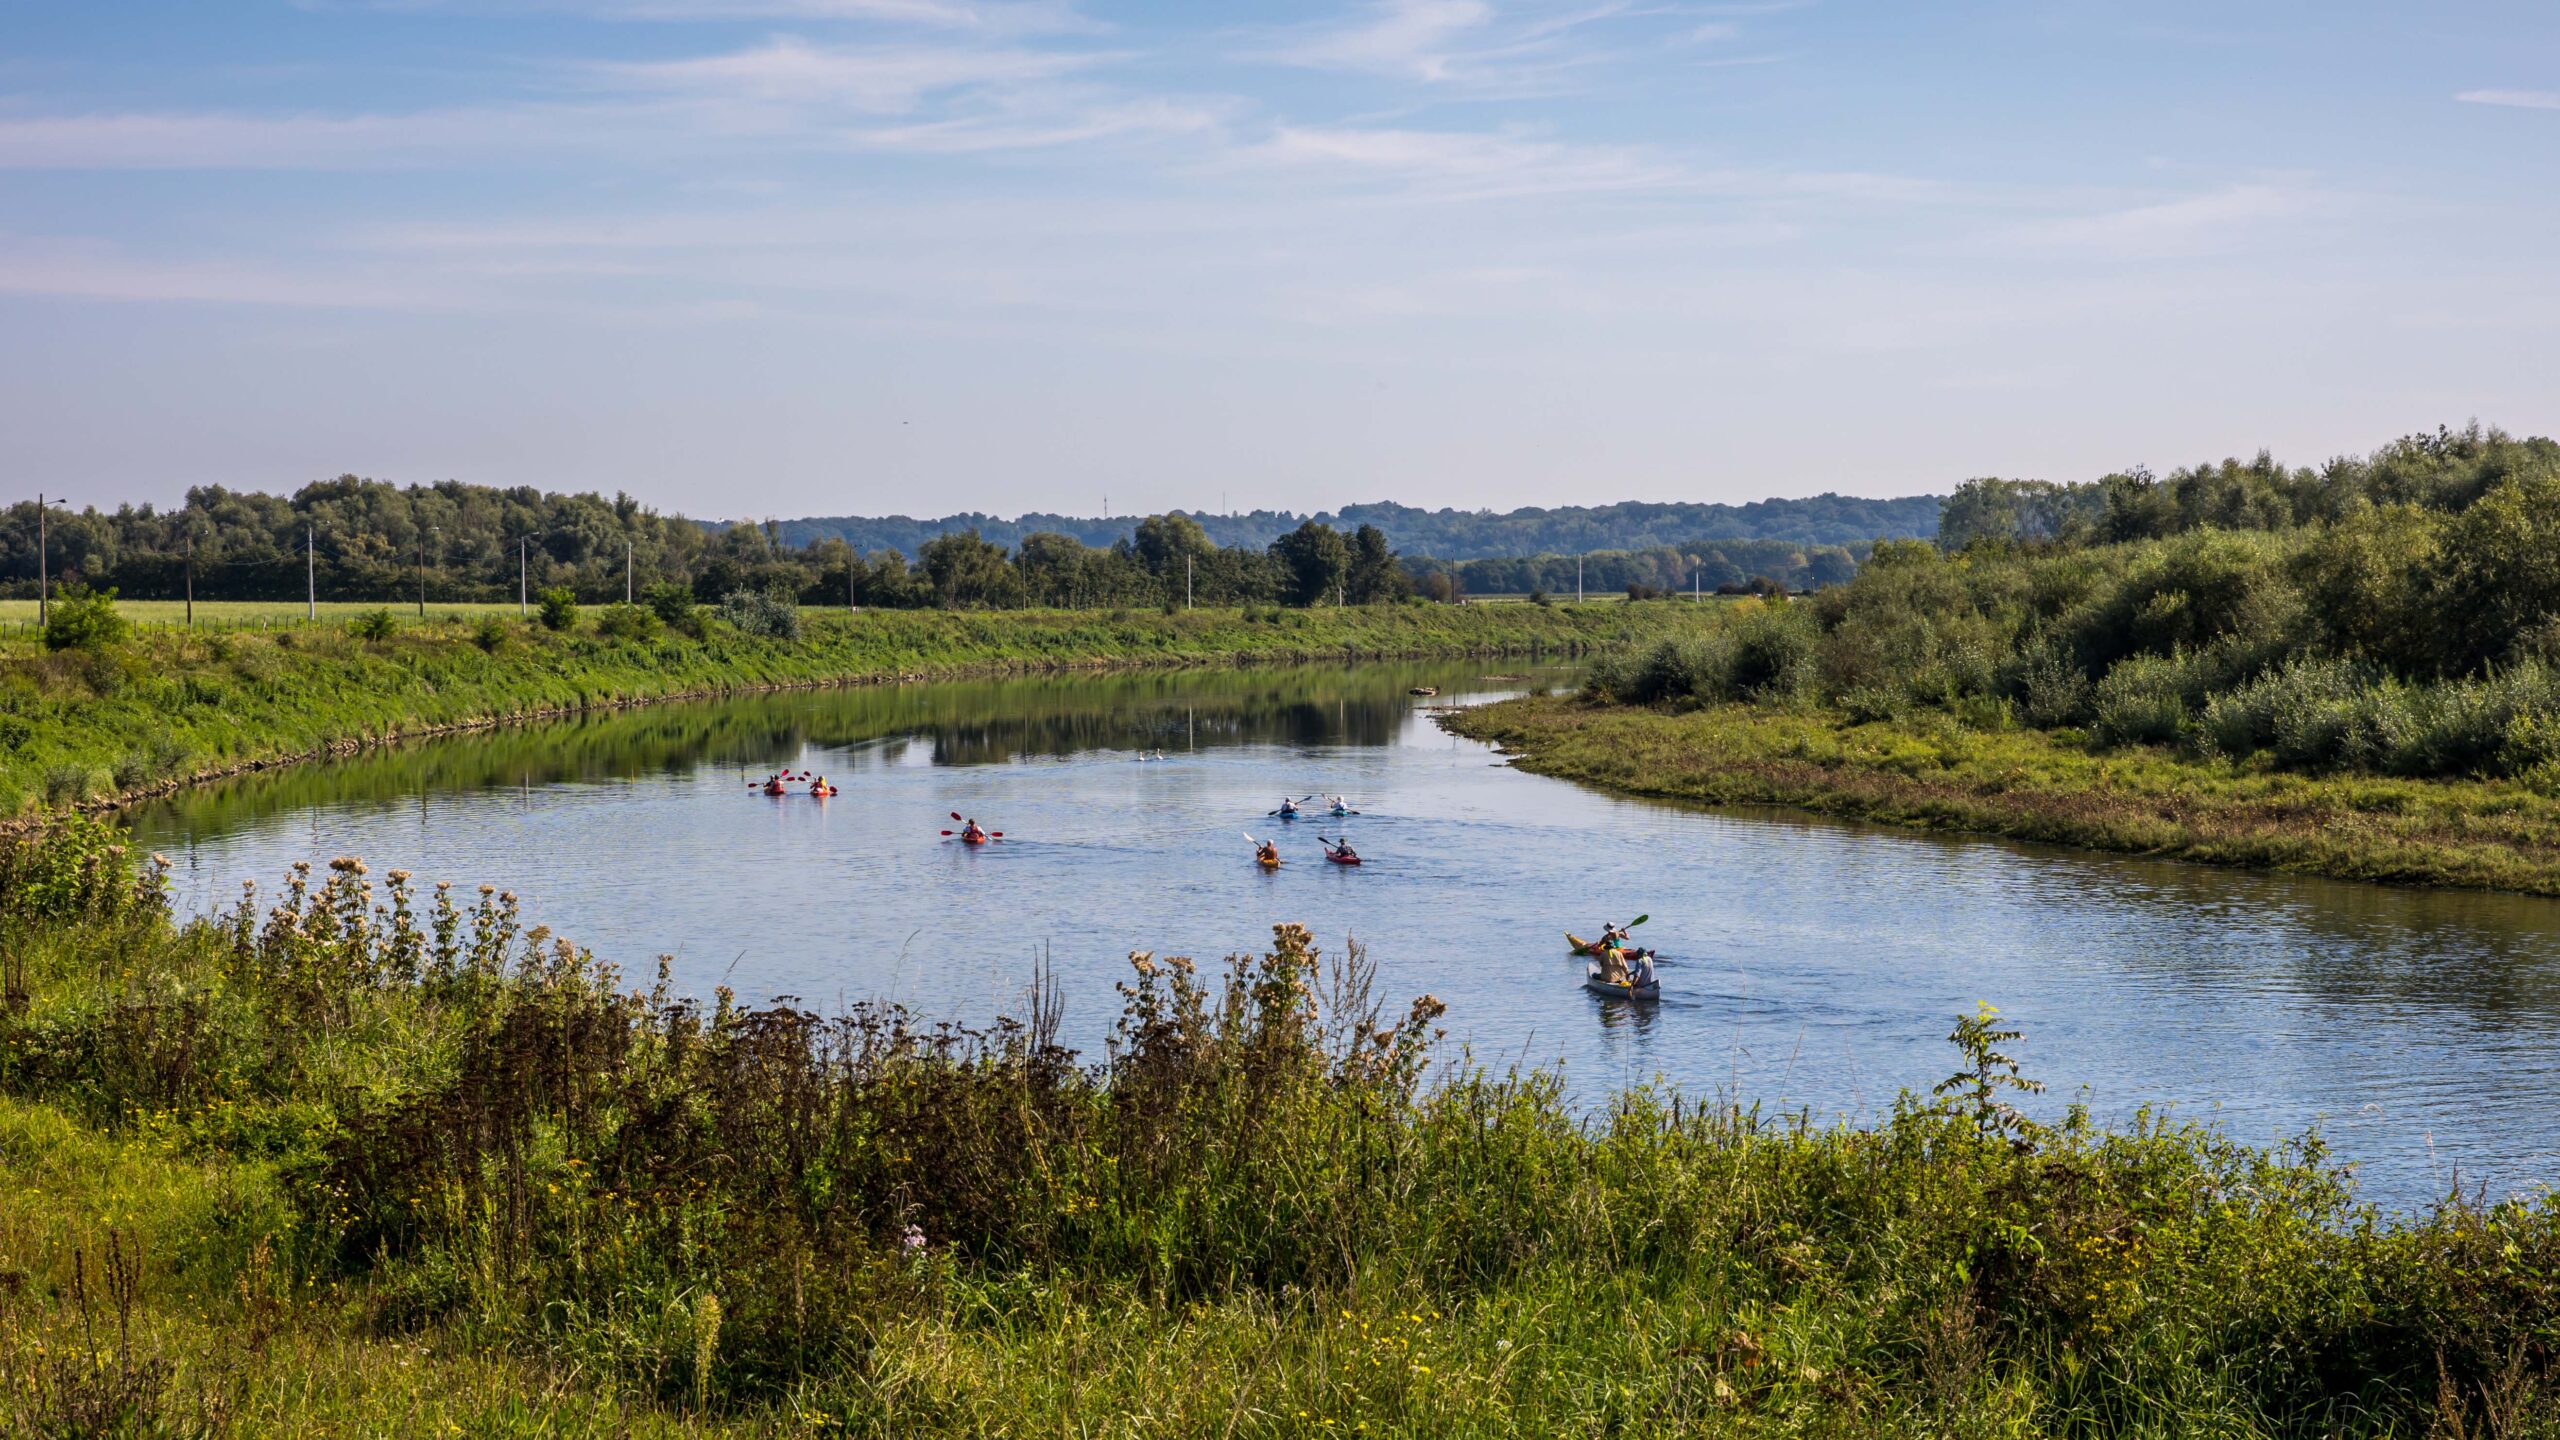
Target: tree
x=1375, y=576
x=1052, y=566
x=1314, y=559
x=1163, y=542
x=962, y=570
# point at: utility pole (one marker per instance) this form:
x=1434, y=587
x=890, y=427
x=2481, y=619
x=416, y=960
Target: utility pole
x=44, y=576
x=522, y=593
x=311, y=571
x=1697, y=585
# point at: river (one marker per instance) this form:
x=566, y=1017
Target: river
x=1808, y=965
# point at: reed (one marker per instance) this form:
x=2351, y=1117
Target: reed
x=354, y=1159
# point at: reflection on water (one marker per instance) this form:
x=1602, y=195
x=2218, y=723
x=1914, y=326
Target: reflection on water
x=1807, y=964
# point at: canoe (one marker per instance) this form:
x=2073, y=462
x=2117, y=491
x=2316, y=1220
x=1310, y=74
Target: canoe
x=1648, y=990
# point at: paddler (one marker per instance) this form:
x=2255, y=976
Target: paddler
x=972, y=833
x=1267, y=852
x=1288, y=809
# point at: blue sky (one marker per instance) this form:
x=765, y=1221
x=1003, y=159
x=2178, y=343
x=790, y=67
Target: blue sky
x=747, y=257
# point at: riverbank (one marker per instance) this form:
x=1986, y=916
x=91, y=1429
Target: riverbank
x=2041, y=786
x=369, y=1162
x=166, y=709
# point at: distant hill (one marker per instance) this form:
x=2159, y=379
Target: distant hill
x=1444, y=534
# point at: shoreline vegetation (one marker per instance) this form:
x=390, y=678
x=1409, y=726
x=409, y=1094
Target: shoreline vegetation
x=119, y=716
x=360, y=1160
x=2029, y=785
x=2352, y=671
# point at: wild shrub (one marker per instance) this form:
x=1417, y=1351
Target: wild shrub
x=67, y=784
x=627, y=622
x=2142, y=701
x=761, y=614
x=490, y=634
x=674, y=606
x=373, y=625
x=1770, y=657
x=85, y=619
x=557, y=608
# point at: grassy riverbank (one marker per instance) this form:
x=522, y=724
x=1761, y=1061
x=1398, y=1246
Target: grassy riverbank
x=371, y=1163
x=163, y=708
x=1932, y=772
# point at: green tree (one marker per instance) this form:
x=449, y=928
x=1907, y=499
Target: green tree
x=2499, y=572
x=962, y=569
x=1315, y=560
x=1375, y=576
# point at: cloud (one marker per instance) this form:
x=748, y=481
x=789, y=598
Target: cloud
x=1459, y=163
x=2187, y=226
x=1011, y=17
x=2513, y=99
x=1460, y=44
x=880, y=79
x=1405, y=37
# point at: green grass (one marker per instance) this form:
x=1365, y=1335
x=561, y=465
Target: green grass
x=169, y=707
x=360, y=1165
x=1935, y=773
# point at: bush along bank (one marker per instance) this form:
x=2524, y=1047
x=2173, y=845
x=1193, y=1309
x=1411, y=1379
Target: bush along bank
x=372, y=1162
x=1933, y=772
x=101, y=712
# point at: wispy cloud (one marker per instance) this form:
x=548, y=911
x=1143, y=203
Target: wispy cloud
x=1463, y=163
x=1403, y=37
x=2513, y=99
x=1461, y=44
x=1009, y=17
x=2186, y=226
x=881, y=79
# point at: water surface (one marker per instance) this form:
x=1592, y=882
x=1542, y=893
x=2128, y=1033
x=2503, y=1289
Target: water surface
x=1809, y=964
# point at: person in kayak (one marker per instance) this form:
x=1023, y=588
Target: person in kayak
x=1288, y=809
x=973, y=832
x=1268, y=852
x=1342, y=851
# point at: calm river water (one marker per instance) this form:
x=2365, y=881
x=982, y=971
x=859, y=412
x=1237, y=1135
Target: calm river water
x=1807, y=964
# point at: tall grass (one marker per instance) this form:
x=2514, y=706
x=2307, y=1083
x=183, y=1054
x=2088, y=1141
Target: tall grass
x=380, y=1162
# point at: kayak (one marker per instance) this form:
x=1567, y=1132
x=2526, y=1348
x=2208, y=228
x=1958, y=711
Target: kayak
x=1631, y=990
x=1341, y=859
x=1268, y=862
x=1579, y=946
x=775, y=790
x=823, y=794
x=966, y=838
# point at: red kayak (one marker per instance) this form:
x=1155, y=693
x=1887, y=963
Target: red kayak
x=1342, y=856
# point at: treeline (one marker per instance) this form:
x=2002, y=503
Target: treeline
x=2396, y=613
x=367, y=540
x=2443, y=472
x=1445, y=534
x=1714, y=566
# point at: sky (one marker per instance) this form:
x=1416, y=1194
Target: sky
x=785, y=257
